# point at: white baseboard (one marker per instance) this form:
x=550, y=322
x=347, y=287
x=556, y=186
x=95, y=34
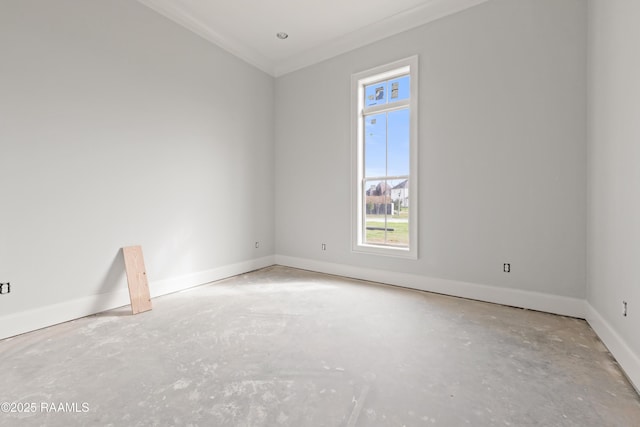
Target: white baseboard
x=573, y=307
x=176, y=284
x=626, y=358
x=42, y=317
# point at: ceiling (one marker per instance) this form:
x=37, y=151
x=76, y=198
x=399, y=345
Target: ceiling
x=317, y=29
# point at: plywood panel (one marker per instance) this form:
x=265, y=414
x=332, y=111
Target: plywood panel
x=137, y=279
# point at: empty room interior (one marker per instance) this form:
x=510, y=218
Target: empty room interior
x=402, y=213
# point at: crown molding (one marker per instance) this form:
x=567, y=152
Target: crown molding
x=395, y=24
x=168, y=9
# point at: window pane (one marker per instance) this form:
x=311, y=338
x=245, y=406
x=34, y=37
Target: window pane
x=375, y=94
x=399, y=89
x=386, y=212
x=377, y=208
x=375, y=145
x=399, y=221
x=398, y=143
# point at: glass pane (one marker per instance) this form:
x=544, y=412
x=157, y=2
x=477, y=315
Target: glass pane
x=399, y=89
x=377, y=208
x=398, y=143
x=375, y=94
x=398, y=222
x=375, y=145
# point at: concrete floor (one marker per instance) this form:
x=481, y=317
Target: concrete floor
x=287, y=347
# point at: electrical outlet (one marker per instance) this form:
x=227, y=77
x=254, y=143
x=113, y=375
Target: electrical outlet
x=506, y=268
x=257, y=245
x=324, y=246
x=624, y=308
x=5, y=288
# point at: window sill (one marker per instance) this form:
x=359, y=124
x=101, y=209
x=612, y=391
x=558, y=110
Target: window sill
x=388, y=251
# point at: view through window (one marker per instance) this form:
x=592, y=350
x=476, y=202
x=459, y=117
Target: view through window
x=384, y=149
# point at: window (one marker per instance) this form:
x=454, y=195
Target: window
x=384, y=134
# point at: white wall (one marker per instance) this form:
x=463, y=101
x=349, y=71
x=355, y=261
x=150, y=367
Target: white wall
x=502, y=155
x=614, y=176
x=119, y=127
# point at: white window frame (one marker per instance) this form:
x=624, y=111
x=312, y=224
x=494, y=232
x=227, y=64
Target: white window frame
x=358, y=83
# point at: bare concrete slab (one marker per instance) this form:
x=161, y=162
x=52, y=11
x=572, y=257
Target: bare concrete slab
x=287, y=347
